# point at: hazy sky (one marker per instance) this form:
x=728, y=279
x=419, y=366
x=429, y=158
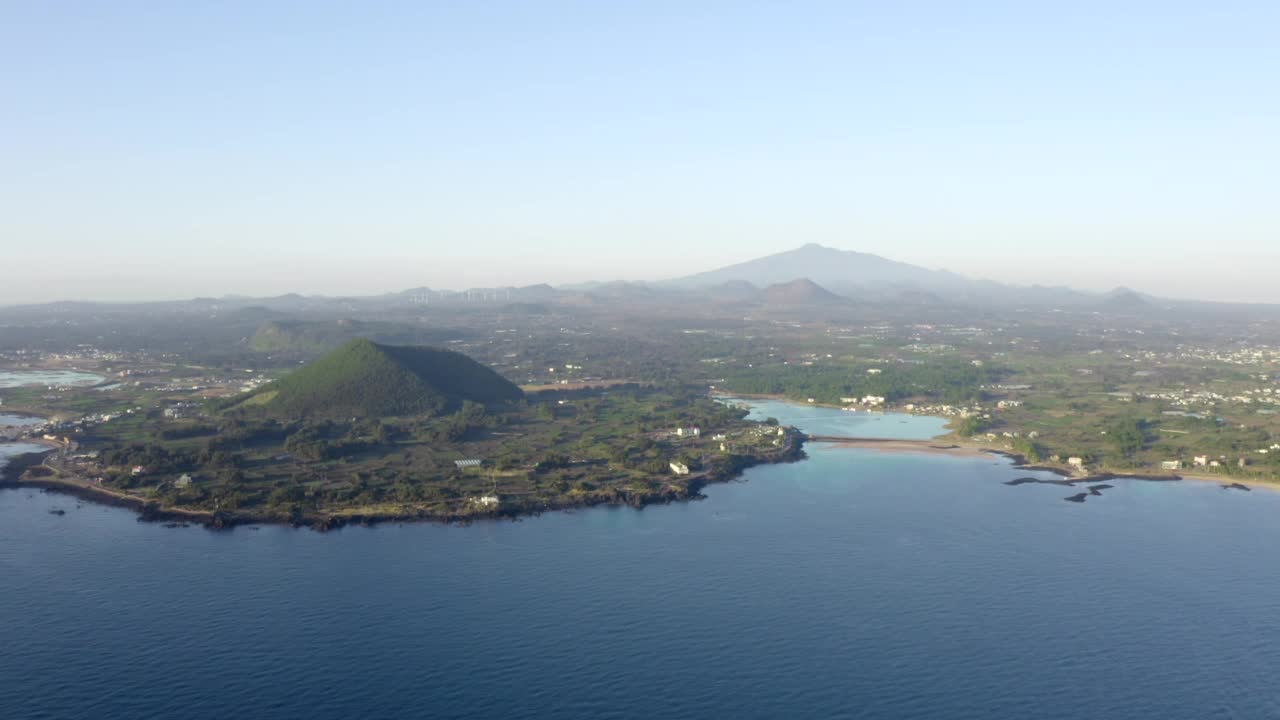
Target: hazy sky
x=175, y=149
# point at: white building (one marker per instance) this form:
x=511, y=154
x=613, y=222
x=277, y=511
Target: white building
x=679, y=468
x=1171, y=465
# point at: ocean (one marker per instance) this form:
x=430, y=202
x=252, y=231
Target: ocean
x=853, y=584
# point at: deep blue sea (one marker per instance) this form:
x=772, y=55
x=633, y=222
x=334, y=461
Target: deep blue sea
x=854, y=584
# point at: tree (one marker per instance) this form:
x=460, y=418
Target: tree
x=554, y=460
x=971, y=425
x=1128, y=435
x=287, y=495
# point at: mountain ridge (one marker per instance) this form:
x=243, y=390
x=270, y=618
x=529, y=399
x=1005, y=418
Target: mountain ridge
x=830, y=268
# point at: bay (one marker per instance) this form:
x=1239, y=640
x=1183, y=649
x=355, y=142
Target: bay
x=855, y=584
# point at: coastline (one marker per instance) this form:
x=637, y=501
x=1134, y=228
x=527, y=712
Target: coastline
x=1104, y=474
x=16, y=465
x=15, y=475
x=948, y=444
x=936, y=446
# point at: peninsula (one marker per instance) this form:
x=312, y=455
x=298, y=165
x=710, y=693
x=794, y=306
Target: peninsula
x=372, y=432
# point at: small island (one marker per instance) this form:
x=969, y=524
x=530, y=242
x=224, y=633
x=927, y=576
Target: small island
x=372, y=432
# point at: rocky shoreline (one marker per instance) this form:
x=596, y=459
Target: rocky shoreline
x=16, y=465
x=1020, y=462
x=16, y=475
x=1226, y=482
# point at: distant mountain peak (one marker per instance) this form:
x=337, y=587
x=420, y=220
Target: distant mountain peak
x=1123, y=298
x=839, y=270
x=799, y=291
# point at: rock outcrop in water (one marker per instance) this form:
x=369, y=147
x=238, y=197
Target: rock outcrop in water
x=1038, y=481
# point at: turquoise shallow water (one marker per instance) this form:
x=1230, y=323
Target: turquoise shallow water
x=19, y=378
x=854, y=584
x=833, y=421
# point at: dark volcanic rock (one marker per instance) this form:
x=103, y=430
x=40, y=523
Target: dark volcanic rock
x=1237, y=486
x=1077, y=498
x=1037, y=481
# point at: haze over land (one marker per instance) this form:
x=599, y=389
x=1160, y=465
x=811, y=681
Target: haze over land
x=812, y=276
x=666, y=359
x=179, y=151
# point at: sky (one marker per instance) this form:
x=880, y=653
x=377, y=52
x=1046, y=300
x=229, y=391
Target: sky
x=157, y=150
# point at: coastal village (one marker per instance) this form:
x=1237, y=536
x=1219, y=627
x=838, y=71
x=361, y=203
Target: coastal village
x=1054, y=400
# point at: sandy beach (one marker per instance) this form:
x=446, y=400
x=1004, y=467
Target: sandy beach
x=927, y=447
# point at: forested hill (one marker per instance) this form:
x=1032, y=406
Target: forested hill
x=365, y=379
